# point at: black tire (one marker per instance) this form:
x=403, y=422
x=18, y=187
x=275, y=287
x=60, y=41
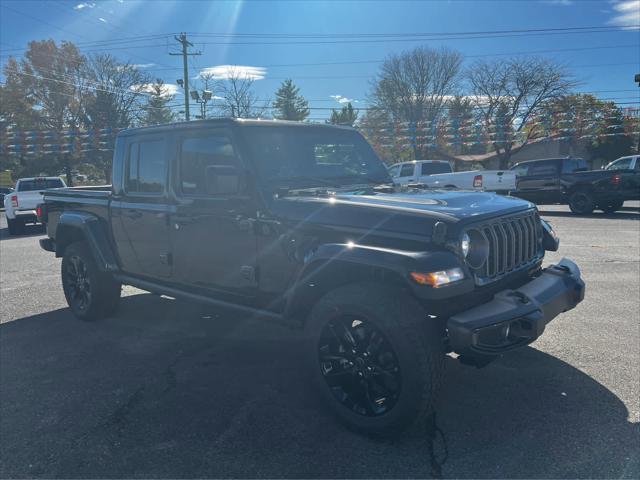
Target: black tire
x=16, y=227
x=611, y=207
x=581, y=202
x=90, y=293
x=392, y=398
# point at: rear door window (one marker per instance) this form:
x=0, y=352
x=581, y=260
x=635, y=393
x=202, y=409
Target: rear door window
x=546, y=168
x=572, y=165
x=435, y=168
x=147, y=167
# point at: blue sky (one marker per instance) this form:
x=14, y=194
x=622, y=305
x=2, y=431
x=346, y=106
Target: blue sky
x=605, y=61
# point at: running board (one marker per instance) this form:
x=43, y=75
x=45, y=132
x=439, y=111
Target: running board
x=182, y=295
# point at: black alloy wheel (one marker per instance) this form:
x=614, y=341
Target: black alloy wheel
x=90, y=293
x=581, y=202
x=78, y=283
x=360, y=366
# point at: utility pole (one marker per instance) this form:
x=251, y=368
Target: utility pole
x=182, y=39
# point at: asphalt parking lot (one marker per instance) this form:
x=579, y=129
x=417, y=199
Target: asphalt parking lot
x=168, y=389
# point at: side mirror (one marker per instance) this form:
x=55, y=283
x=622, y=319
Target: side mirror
x=222, y=179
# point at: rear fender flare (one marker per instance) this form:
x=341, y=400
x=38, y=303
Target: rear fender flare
x=82, y=226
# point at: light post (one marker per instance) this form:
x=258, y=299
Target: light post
x=202, y=100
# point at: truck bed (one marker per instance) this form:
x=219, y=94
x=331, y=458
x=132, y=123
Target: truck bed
x=95, y=200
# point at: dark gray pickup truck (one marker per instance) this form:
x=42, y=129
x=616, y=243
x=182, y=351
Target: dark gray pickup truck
x=301, y=223
x=568, y=181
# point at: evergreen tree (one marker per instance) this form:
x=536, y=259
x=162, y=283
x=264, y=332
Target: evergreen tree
x=345, y=116
x=156, y=111
x=289, y=104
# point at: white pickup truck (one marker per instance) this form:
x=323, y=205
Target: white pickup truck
x=439, y=174
x=20, y=205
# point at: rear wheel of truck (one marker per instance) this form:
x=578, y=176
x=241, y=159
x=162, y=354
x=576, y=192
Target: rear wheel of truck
x=375, y=357
x=16, y=227
x=581, y=202
x=611, y=207
x=90, y=293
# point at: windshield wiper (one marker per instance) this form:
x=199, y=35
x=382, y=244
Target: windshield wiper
x=313, y=181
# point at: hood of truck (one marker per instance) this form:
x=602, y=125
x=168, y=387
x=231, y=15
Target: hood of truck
x=402, y=211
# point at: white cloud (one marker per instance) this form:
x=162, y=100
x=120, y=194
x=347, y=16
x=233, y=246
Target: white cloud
x=80, y=6
x=138, y=66
x=168, y=89
x=341, y=99
x=102, y=20
x=627, y=14
x=224, y=72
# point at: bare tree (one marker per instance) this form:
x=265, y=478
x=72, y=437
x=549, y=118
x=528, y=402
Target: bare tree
x=114, y=101
x=209, y=81
x=508, y=96
x=239, y=100
x=413, y=87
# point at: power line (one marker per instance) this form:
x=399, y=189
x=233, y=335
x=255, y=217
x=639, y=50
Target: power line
x=392, y=34
x=359, y=62
x=413, y=39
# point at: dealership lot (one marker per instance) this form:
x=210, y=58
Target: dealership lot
x=167, y=389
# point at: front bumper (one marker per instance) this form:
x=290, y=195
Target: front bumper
x=517, y=317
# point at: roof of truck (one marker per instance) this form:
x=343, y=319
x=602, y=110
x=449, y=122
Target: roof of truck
x=228, y=122
x=31, y=179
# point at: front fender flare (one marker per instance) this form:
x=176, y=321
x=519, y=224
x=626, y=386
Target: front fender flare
x=332, y=265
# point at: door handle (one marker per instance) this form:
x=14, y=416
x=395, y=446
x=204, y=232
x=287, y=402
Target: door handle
x=133, y=214
x=549, y=185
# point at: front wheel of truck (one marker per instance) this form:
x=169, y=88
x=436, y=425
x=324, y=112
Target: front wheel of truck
x=376, y=358
x=90, y=293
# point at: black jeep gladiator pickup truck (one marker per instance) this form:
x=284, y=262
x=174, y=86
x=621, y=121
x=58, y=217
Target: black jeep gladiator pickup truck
x=569, y=181
x=302, y=223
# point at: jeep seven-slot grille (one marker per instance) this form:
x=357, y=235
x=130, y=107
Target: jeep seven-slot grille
x=514, y=242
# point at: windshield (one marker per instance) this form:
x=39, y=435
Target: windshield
x=314, y=157
x=39, y=184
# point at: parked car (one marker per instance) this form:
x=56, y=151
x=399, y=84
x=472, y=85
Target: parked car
x=439, y=174
x=631, y=163
x=20, y=205
x=568, y=181
x=4, y=191
x=301, y=223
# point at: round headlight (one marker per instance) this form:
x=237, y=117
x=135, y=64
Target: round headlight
x=478, y=249
x=465, y=244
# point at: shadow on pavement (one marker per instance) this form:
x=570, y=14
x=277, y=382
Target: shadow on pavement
x=166, y=389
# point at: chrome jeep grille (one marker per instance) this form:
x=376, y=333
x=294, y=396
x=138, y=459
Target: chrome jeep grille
x=514, y=242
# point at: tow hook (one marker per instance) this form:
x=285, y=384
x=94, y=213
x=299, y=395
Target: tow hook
x=520, y=296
